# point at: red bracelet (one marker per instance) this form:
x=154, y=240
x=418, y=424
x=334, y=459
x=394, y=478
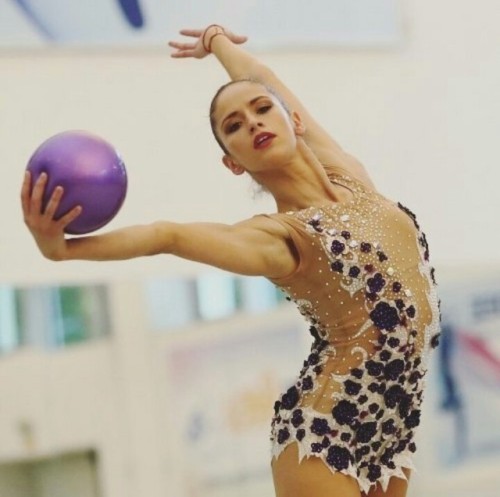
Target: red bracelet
x=220, y=30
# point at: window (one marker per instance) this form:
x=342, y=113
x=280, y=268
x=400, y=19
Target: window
x=44, y=316
x=9, y=329
x=216, y=295
x=175, y=302
x=171, y=302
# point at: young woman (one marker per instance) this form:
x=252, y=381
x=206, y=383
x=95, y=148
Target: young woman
x=355, y=263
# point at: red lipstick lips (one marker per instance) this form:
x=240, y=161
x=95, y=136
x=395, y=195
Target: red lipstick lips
x=262, y=140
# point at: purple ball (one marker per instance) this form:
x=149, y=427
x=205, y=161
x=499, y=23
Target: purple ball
x=90, y=171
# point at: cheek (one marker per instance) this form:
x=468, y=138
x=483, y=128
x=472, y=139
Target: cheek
x=235, y=143
x=228, y=141
x=285, y=123
x=229, y=144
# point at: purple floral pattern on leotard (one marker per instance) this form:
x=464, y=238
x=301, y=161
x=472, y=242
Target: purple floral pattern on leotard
x=369, y=431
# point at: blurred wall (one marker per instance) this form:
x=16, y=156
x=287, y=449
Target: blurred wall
x=422, y=116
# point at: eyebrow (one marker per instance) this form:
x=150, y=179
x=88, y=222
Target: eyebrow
x=234, y=113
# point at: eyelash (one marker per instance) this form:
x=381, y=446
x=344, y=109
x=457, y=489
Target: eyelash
x=235, y=126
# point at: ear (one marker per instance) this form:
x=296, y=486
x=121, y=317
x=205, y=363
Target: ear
x=232, y=166
x=298, y=125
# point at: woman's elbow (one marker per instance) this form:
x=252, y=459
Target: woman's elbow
x=162, y=238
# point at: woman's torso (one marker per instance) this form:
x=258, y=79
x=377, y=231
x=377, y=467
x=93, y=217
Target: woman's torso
x=365, y=284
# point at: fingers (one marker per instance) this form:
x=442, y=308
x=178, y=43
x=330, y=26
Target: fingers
x=191, y=32
x=53, y=202
x=35, y=205
x=181, y=46
x=70, y=216
x=25, y=193
x=197, y=49
x=183, y=54
x=240, y=39
x=196, y=33
x=32, y=199
x=53, y=205
x=183, y=49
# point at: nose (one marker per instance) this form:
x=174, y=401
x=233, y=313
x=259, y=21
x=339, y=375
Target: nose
x=254, y=125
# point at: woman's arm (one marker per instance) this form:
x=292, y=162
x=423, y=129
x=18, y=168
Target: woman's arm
x=239, y=64
x=258, y=246
x=253, y=247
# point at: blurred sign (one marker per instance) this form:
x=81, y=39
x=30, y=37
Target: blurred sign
x=223, y=392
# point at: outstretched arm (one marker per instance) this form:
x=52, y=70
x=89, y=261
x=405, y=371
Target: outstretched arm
x=258, y=246
x=239, y=64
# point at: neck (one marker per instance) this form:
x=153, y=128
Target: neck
x=300, y=183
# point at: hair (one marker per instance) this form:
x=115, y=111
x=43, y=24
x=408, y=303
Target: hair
x=213, y=104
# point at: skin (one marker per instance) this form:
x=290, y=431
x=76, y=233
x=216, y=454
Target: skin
x=291, y=168
x=286, y=168
x=311, y=478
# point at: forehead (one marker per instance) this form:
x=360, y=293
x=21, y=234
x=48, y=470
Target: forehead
x=238, y=95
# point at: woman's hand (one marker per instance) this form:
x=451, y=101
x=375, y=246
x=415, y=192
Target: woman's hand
x=47, y=232
x=201, y=46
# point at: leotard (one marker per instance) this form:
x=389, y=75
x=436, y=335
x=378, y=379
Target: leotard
x=365, y=284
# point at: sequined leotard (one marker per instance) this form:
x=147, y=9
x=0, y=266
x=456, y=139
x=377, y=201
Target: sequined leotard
x=366, y=287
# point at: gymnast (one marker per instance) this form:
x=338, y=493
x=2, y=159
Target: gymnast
x=355, y=263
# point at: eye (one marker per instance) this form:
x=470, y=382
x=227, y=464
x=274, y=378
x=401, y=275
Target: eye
x=233, y=127
x=263, y=109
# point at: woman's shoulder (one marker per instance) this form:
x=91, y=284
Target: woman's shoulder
x=271, y=223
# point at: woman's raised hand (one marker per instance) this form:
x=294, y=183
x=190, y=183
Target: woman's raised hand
x=47, y=231
x=201, y=47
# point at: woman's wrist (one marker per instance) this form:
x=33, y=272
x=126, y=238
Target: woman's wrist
x=210, y=33
x=58, y=254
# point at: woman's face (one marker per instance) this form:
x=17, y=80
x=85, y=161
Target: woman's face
x=256, y=130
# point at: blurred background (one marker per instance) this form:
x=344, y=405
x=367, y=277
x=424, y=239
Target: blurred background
x=158, y=376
